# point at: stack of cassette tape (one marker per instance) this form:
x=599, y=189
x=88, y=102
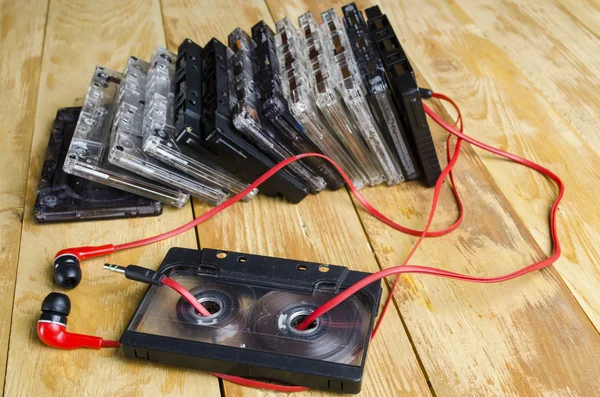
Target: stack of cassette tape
x=208, y=121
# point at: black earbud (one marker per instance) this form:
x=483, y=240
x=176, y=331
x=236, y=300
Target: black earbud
x=55, y=308
x=67, y=271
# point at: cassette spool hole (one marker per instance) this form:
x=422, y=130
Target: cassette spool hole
x=213, y=305
x=296, y=318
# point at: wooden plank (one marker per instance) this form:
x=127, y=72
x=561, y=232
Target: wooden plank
x=562, y=63
x=21, y=40
x=502, y=107
x=521, y=121
x=586, y=11
x=79, y=36
x=321, y=228
x=477, y=339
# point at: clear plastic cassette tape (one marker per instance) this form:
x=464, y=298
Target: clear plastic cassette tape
x=275, y=110
x=244, y=106
x=159, y=130
x=380, y=96
x=295, y=86
x=125, y=149
x=323, y=81
x=256, y=304
x=346, y=76
x=87, y=156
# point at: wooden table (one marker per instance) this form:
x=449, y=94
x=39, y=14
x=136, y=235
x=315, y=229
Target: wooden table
x=526, y=75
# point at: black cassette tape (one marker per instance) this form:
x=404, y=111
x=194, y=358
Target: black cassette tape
x=256, y=302
x=274, y=107
x=380, y=97
x=406, y=92
x=62, y=197
x=203, y=119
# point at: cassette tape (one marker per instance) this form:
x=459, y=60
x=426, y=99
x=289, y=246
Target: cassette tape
x=406, y=93
x=126, y=141
x=379, y=94
x=62, y=197
x=328, y=100
x=346, y=75
x=206, y=123
x=298, y=92
x=159, y=130
x=87, y=156
x=256, y=302
x=244, y=105
x=274, y=109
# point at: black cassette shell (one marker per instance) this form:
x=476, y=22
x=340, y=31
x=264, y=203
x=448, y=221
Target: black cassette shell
x=259, y=273
x=62, y=197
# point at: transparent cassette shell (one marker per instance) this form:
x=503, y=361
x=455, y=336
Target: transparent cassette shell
x=125, y=148
x=302, y=104
x=256, y=318
x=328, y=100
x=159, y=130
x=244, y=107
x=380, y=96
x=345, y=72
x=88, y=152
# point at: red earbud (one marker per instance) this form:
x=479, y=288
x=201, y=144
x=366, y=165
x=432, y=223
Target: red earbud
x=52, y=325
x=66, y=266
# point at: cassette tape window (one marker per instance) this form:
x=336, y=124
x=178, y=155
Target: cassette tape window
x=256, y=318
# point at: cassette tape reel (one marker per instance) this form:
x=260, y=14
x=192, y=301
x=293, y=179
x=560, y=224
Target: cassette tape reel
x=335, y=336
x=256, y=303
x=225, y=304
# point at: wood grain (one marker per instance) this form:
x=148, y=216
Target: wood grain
x=321, y=228
x=562, y=64
x=477, y=339
x=505, y=109
x=79, y=36
x=21, y=41
x=586, y=11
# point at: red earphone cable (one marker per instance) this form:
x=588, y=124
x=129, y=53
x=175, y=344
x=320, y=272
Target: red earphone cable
x=443, y=273
x=397, y=270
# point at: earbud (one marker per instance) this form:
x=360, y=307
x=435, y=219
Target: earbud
x=66, y=265
x=52, y=325
x=67, y=271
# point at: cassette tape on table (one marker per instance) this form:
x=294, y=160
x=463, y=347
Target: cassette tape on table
x=126, y=141
x=406, y=93
x=62, y=197
x=298, y=92
x=323, y=81
x=87, y=156
x=379, y=94
x=206, y=124
x=244, y=105
x=345, y=73
x=256, y=302
x=159, y=129
x=274, y=108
